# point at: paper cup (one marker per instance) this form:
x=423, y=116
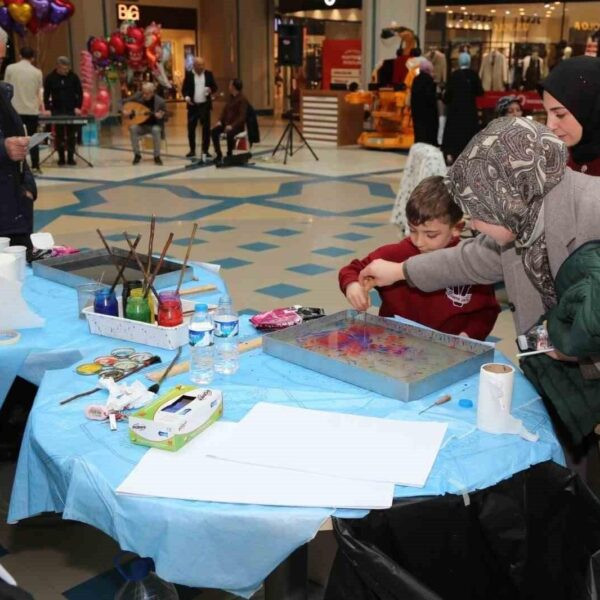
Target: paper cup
x=9, y=267
x=4, y=243
x=496, y=381
x=20, y=253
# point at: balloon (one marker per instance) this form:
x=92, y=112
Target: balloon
x=100, y=110
x=103, y=96
x=116, y=44
x=86, y=102
x=136, y=34
x=6, y=21
x=151, y=58
x=99, y=49
x=48, y=27
x=152, y=40
x=66, y=4
x=41, y=8
x=21, y=13
x=58, y=13
x=33, y=25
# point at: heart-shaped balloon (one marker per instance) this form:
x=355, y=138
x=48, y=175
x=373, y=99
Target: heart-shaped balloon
x=136, y=34
x=41, y=8
x=103, y=96
x=86, y=102
x=117, y=44
x=8, y=2
x=58, y=13
x=6, y=21
x=100, y=110
x=99, y=48
x=68, y=5
x=33, y=25
x=21, y=13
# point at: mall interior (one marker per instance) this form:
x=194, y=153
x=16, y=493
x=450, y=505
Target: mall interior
x=316, y=178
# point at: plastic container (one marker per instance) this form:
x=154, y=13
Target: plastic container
x=105, y=303
x=226, y=331
x=143, y=584
x=138, y=309
x=201, y=346
x=170, y=312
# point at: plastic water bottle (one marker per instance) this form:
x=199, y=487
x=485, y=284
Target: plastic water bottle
x=143, y=584
x=201, y=346
x=227, y=327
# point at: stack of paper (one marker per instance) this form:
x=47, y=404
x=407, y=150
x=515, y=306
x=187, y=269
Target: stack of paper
x=286, y=456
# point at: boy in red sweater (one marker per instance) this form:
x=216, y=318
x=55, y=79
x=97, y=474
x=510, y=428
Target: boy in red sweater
x=435, y=222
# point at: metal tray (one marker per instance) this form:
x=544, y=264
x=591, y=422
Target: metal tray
x=91, y=265
x=394, y=359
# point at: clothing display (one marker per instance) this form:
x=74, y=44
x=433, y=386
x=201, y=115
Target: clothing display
x=438, y=60
x=493, y=71
x=423, y=161
x=462, y=122
x=534, y=70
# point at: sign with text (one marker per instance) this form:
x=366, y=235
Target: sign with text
x=128, y=12
x=342, y=60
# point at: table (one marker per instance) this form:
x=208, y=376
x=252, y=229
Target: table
x=71, y=465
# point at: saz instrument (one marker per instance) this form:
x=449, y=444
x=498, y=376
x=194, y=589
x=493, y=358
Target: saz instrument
x=135, y=113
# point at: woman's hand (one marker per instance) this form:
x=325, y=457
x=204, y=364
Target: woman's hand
x=358, y=296
x=381, y=273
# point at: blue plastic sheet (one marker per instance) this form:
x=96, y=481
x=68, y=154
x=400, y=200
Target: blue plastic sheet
x=71, y=465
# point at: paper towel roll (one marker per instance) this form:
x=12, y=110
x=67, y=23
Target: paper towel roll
x=20, y=253
x=9, y=267
x=496, y=381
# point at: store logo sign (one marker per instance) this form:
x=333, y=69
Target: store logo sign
x=128, y=12
x=586, y=26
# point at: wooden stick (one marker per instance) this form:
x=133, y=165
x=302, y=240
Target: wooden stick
x=150, y=244
x=187, y=257
x=197, y=290
x=124, y=265
x=113, y=258
x=184, y=367
x=140, y=265
x=159, y=265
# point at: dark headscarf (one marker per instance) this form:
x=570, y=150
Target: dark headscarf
x=503, y=104
x=501, y=178
x=575, y=83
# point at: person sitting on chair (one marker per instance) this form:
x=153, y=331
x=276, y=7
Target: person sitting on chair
x=152, y=125
x=232, y=121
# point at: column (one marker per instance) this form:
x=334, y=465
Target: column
x=377, y=14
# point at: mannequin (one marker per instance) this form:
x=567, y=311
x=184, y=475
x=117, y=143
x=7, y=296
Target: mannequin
x=534, y=70
x=493, y=71
x=438, y=60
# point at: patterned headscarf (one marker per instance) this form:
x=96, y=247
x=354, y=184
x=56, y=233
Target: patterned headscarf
x=501, y=178
x=503, y=104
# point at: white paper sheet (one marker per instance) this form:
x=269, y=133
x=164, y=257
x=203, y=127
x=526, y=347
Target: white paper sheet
x=20, y=316
x=36, y=139
x=190, y=475
x=336, y=444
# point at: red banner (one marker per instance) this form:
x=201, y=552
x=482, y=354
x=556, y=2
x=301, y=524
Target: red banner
x=530, y=101
x=341, y=62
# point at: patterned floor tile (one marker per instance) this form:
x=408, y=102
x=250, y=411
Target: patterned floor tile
x=352, y=237
x=309, y=269
x=282, y=290
x=258, y=246
x=283, y=232
x=248, y=311
x=231, y=263
x=333, y=251
x=217, y=228
x=367, y=224
x=185, y=241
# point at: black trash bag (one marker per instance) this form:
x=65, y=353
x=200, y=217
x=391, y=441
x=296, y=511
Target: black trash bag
x=534, y=536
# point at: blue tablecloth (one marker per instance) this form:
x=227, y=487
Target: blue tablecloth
x=71, y=465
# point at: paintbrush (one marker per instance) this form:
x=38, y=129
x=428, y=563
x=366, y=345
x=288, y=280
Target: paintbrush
x=159, y=265
x=114, y=259
x=124, y=265
x=151, y=361
x=150, y=244
x=187, y=257
x=139, y=263
x=156, y=386
x=441, y=400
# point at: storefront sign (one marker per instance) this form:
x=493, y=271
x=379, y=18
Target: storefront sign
x=128, y=12
x=341, y=62
x=586, y=25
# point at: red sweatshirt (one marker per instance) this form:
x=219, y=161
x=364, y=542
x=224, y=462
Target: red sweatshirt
x=472, y=309
x=590, y=168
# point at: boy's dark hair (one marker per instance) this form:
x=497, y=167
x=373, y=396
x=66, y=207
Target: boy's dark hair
x=432, y=200
x=237, y=84
x=27, y=52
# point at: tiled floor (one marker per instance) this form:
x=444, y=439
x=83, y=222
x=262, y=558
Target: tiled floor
x=280, y=233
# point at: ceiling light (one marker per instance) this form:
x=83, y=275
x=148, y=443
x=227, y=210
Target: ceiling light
x=508, y=12
x=493, y=10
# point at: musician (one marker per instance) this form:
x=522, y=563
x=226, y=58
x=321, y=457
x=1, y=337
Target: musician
x=17, y=186
x=198, y=87
x=232, y=121
x=27, y=82
x=156, y=107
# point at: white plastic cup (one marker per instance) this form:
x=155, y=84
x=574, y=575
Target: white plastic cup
x=496, y=381
x=4, y=243
x=20, y=253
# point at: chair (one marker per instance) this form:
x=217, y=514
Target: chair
x=423, y=161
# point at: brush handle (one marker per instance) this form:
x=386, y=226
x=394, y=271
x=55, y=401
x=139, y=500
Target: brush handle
x=197, y=290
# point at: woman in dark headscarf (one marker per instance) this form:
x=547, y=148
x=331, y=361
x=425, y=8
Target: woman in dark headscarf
x=423, y=105
x=460, y=96
x=571, y=95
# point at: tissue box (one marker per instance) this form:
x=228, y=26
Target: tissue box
x=176, y=417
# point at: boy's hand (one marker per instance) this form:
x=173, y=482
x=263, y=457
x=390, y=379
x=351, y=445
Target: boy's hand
x=358, y=296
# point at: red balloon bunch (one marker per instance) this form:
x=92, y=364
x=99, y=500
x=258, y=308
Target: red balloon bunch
x=96, y=98
x=39, y=16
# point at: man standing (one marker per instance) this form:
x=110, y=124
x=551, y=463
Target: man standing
x=198, y=87
x=63, y=96
x=233, y=119
x=155, y=108
x=27, y=83
x=17, y=186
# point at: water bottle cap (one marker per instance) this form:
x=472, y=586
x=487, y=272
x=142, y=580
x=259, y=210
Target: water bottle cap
x=201, y=306
x=140, y=569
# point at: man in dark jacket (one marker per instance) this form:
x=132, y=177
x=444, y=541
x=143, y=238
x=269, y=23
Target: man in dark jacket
x=232, y=121
x=198, y=87
x=17, y=185
x=63, y=95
